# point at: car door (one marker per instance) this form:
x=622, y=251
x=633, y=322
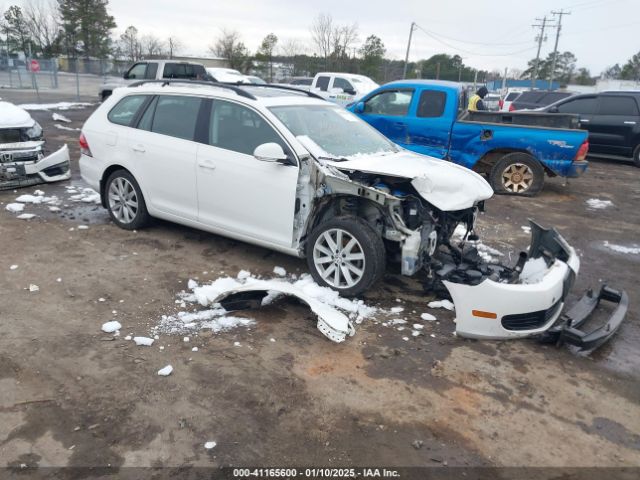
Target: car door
x=163, y=148
x=341, y=91
x=137, y=71
x=430, y=123
x=236, y=191
x=614, y=124
x=387, y=112
x=585, y=106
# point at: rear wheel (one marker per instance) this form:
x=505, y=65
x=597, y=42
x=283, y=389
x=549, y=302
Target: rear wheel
x=125, y=202
x=636, y=156
x=346, y=254
x=517, y=174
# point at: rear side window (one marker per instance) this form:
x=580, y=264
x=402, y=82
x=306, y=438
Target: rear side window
x=126, y=109
x=183, y=70
x=618, y=106
x=511, y=96
x=586, y=105
x=175, y=116
x=394, y=103
x=323, y=83
x=240, y=129
x=530, y=97
x=431, y=103
x=342, y=83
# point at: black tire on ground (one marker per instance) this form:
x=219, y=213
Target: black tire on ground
x=140, y=218
x=517, y=173
x=370, y=244
x=636, y=156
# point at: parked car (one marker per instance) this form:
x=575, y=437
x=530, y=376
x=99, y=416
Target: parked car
x=306, y=177
x=514, y=150
x=154, y=70
x=256, y=80
x=23, y=158
x=535, y=99
x=492, y=102
x=227, y=75
x=341, y=88
x=612, y=120
x=509, y=98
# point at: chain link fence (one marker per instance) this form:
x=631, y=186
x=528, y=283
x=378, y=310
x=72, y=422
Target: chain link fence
x=69, y=77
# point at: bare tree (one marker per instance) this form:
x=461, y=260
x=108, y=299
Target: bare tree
x=322, y=34
x=230, y=47
x=130, y=44
x=173, y=46
x=43, y=22
x=152, y=46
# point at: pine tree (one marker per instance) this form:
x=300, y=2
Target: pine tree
x=87, y=26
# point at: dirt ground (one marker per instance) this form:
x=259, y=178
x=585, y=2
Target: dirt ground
x=71, y=395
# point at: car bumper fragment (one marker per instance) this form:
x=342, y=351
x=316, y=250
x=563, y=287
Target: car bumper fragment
x=52, y=168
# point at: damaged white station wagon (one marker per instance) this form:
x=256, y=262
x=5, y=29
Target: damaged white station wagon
x=287, y=170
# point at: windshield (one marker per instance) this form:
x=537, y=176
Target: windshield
x=334, y=129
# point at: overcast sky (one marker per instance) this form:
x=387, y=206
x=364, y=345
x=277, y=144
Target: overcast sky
x=599, y=32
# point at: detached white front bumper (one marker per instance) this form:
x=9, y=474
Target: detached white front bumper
x=52, y=168
x=496, y=310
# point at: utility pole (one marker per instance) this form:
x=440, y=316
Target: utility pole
x=555, y=48
x=406, y=58
x=540, y=39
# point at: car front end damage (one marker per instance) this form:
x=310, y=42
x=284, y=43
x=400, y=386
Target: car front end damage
x=527, y=300
x=24, y=163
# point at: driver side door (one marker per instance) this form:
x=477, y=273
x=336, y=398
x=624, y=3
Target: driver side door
x=237, y=192
x=387, y=112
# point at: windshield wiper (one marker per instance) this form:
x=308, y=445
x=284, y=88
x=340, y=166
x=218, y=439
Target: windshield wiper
x=333, y=159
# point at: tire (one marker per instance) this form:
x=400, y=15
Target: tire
x=636, y=156
x=517, y=173
x=133, y=214
x=354, y=275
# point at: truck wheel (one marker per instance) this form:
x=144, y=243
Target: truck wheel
x=636, y=156
x=517, y=173
x=346, y=254
x=125, y=202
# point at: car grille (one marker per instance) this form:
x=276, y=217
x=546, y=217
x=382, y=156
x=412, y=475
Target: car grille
x=530, y=321
x=9, y=157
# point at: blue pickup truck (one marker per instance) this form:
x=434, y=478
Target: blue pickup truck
x=514, y=149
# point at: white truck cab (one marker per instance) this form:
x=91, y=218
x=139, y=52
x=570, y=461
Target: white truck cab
x=342, y=88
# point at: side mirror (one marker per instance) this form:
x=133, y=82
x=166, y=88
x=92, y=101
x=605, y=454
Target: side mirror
x=359, y=108
x=349, y=91
x=126, y=75
x=270, y=152
x=553, y=110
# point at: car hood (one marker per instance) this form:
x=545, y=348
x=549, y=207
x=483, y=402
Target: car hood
x=445, y=185
x=12, y=116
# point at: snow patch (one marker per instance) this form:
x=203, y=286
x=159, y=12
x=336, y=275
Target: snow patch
x=441, y=304
x=68, y=129
x=279, y=271
x=143, y=341
x=55, y=106
x=57, y=117
x=427, y=317
x=598, y=204
x=166, y=371
x=26, y=216
x=533, y=270
x=210, y=445
x=635, y=250
x=14, y=207
x=13, y=267
x=86, y=195
x=111, y=327
x=34, y=288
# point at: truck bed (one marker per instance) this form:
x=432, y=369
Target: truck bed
x=528, y=119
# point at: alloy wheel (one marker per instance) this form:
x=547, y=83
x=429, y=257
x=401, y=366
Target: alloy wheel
x=123, y=201
x=517, y=178
x=339, y=258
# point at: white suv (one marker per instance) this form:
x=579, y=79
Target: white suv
x=278, y=168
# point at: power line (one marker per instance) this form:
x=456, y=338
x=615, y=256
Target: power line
x=478, y=43
x=555, y=48
x=541, y=38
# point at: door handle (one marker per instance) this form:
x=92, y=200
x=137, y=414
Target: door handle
x=207, y=165
x=138, y=148
x=629, y=123
x=584, y=120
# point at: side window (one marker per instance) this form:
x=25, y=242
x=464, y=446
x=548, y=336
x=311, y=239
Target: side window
x=176, y=116
x=431, y=103
x=146, y=120
x=152, y=70
x=585, y=105
x=625, y=106
x=169, y=70
x=125, y=110
x=342, y=83
x=391, y=102
x=137, y=71
x=323, y=83
x=240, y=129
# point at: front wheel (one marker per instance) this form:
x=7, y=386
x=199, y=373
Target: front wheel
x=636, y=156
x=517, y=174
x=346, y=254
x=125, y=202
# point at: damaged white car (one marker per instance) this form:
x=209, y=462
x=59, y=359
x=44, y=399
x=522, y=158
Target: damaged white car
x=288, y=171
x=23, y=160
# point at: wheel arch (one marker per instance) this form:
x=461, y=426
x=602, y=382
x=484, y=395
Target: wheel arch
x=105, y=176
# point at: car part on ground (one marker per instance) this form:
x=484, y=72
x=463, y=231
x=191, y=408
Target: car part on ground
x=22, y=156
x=500, y=302
x=335, y=325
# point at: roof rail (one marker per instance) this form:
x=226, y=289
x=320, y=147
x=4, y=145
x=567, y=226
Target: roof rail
x=283, y=87
x=170, y=81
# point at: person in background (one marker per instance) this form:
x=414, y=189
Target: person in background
x=475, y=102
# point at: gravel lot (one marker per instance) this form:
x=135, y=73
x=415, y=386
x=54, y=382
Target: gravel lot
x=71, y=395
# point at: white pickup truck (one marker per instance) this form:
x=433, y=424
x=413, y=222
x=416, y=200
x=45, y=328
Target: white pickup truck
x=341, y=88
x=154, y=70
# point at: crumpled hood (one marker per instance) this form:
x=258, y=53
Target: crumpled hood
x=445, y=185
x=12, y=116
